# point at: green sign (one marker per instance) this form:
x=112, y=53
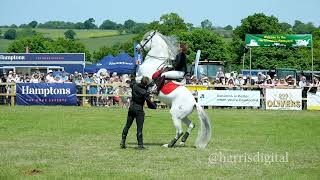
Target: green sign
x=294, y=40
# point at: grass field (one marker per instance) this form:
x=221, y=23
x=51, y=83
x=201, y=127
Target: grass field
x=93, y=39
x=94, y=44
x=83, y=143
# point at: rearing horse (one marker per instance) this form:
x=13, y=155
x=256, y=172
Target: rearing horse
x=180, y=99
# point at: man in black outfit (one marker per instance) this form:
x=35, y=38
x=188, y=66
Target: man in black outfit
x=139, y=97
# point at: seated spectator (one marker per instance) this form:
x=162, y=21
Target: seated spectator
x=222, y=81
x=303, y=82
x=269, y=83
x=49, y=77
x=205, y=81
x=249, y=81
x=219, y=74
x=282, y=82
x=239, y=81
x=290, y=80
x=35, y=79
x=57, y=79
x=261, y=78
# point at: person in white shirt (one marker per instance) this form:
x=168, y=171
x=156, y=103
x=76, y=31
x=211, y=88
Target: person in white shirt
x=35, y=79
x=303, y=82
x=49, y=77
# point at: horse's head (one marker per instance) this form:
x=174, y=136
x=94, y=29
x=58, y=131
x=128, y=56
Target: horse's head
x=147, y=40
x=166, y=46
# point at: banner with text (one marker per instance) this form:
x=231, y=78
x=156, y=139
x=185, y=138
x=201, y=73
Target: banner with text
x=46, y=94
x=229, y=98
x=284, y=99
x=313, y=101
x=292, y=40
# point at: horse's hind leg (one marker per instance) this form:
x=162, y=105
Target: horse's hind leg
x=190, y=126
x=179, y=131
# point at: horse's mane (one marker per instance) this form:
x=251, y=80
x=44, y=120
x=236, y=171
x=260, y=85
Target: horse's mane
x=171, y=42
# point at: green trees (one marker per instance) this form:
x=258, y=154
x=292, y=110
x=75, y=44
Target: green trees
x=40, y=44
x=89, y=24
x=210, y=43
x=270, y=57
x=33, y=24
x=302, y=28
x=258, y=24
x=10, y=34
x=108, y=24
x=69, y=34
x=169, y=24
x=207, y=24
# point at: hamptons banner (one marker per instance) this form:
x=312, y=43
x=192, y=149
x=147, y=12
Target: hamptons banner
x=229, y=98
x=284, y=99
x=46, y=94
x=313, y=101
x=292, y=40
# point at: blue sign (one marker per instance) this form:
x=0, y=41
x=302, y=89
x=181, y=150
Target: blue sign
x=46, y=94
x=13, y=57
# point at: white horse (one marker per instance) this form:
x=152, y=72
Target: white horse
x=181, y=100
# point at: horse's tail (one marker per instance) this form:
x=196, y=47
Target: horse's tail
x=204, y=132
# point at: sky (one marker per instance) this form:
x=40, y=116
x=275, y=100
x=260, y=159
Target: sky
x=220, y=12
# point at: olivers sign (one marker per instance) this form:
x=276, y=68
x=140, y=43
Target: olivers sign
x=284, y=99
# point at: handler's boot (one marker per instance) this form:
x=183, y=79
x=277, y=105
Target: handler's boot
x=140, y=141
x=174, y=140
x=123, y=142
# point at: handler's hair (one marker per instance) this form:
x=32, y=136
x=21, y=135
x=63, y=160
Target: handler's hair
x=145, y=81
x=183, y=47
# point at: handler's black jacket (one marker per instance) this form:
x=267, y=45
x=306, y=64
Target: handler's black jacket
x=181, y=62
x=139, y=95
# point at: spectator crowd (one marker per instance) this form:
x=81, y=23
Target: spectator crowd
x=103, y=83
x=118, y=91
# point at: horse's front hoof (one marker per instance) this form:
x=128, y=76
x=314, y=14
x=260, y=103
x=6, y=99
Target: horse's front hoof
x=165, y=145
x=182, y=143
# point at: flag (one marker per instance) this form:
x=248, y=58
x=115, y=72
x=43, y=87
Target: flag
x=195, y=73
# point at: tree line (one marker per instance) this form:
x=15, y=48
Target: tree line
x=208, y=39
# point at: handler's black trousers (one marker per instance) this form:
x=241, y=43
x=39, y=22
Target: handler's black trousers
x=139, y=115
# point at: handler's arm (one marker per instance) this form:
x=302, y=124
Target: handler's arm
x=151, y=104
x=133, y=76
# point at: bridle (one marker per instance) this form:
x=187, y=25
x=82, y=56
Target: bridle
x=150, y=39
x=165, y=59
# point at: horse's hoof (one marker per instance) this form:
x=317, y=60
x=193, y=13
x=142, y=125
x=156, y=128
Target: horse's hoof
x=182, y=143
x=165, y=145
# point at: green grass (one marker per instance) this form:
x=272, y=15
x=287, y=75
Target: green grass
x=93, y=44
x=93, y=39
x=83, y=143
x=80, y=33
x=4, y=44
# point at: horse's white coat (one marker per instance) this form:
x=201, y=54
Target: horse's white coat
x=181, y=100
